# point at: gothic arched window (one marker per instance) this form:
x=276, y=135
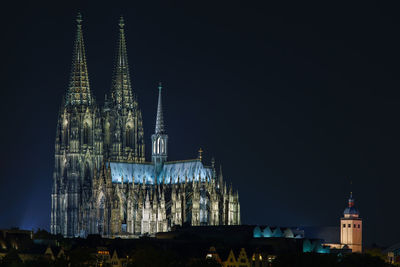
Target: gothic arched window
x=158, y=145
x=65, y=136
x=162, y=146
x=87, y=175
x=64, y=131
x=86, y=134
x=100, y=215
x=129, y=137
x=107, y=133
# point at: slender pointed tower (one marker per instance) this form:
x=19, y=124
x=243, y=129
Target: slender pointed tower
x=78, y=148
x=351, y=227
x=159, y=140
x=123, y=125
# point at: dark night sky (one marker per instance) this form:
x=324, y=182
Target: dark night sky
x=293, y=100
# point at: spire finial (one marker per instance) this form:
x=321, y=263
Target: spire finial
x=351, y=189
x=79, y=19
x=159, y=86
x=351, y=200
x=121, y=22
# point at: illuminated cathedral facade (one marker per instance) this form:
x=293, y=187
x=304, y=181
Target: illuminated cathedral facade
x=102, y=183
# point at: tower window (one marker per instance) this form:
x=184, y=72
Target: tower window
x=358, y=226
x=354, y=226
x=65, y=135
x=129, y=137
x=349, y=225
x=344, y=225
x=86, y=134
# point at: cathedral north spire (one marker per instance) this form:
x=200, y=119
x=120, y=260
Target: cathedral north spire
x=79, y=90
x=121, y=86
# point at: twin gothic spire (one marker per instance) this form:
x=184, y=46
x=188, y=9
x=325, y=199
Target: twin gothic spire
x=121, y=85
x=79, y=90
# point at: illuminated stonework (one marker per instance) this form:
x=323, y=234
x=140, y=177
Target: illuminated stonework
x=102, y=184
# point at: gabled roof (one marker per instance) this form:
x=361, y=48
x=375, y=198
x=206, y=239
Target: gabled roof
x=231, y=257
x=170, y=172
x=129, y=170
x=183, y=169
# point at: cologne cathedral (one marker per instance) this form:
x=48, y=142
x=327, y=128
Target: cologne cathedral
x=102, y=183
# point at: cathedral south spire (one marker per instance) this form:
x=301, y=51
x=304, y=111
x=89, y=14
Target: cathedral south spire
x=121, y=85
x=79, y=89
x=159, y=138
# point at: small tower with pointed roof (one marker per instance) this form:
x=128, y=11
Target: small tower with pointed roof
x=351, y=227
x=159, y=139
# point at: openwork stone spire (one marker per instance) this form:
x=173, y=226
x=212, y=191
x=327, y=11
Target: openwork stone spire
x=160, y=129
x=79, y=89
x=121, y=85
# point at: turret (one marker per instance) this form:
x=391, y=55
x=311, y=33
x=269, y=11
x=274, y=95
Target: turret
x=351, y=211
x=159, y=139
x=220, y=178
